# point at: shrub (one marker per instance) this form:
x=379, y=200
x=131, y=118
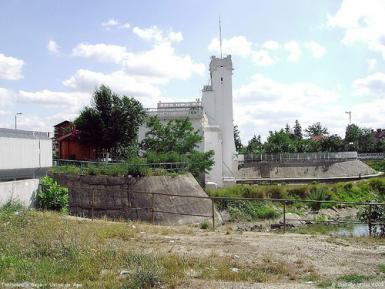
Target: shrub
x=378, y=184
x=276, y=192
x=301, y=192
x=52, y=196
x=318, y=193
x=204, y=225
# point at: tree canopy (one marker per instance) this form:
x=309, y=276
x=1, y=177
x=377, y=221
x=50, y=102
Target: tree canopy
x=288, y=140
x=111, y=121
x=176, y=141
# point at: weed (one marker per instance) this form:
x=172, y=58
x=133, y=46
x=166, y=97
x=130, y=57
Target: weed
x=353, y=278
x=204, y=225
x=381, y=267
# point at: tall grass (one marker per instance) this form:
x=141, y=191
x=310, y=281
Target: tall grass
x=45, y=247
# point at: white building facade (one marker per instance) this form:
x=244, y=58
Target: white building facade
x=213, y=118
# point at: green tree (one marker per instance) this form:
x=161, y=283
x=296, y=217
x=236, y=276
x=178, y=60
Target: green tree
x=316, y=129
x=255, y=145
x=110, y=122
x=333, y=143
x=176, y=140
x=352, y=133
x=237, y=139
x=279, y=142
x=297, y=130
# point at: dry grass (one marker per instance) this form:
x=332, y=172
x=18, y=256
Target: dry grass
x=46, y=247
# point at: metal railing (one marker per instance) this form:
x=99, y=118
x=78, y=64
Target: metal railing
x=169, y=166
x=287, y=157
x=371, y=156
x=284, y=203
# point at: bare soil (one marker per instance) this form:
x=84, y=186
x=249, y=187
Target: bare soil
x=327, y=256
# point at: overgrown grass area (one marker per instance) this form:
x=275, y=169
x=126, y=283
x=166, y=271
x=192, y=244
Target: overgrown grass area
x=117, y=170
x=378, y=165
x=359, y=191
x=51, y=248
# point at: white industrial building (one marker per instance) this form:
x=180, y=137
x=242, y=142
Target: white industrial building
x=25, y=156
x=213, y=117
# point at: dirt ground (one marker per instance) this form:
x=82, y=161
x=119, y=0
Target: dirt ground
x=327, y=256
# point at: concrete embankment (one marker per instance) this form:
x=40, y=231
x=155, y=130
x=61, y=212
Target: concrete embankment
x=131, y=198
x=306, y=171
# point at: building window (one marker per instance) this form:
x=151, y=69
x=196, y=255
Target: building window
x=221, y=79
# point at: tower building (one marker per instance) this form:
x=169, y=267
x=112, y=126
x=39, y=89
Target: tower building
x=213, y=117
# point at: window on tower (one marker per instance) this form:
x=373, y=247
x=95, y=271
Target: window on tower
x=221, y=79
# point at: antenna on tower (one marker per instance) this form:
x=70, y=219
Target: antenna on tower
x=350, y=116
x=220, y=35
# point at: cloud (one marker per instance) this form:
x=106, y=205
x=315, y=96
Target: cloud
x=142, y=88
x=361, y=21
x=53, y=47
x=237, y=45
x=5, y=97
x=161, y=61
x=316, y=49
x=113, y=23
x=100, y=52
x=262, y=58
x=372, y=62
x=155, y=34
x=372, y=85
x=73, y=100
x=10, y=67
x=265, y=104
x=294, y=50
x=271, y=45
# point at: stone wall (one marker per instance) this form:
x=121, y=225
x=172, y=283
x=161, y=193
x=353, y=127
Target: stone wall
x=128, y=198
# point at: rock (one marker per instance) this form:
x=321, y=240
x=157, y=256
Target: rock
x=235, y=270
x=292, y=219
x=245, y=227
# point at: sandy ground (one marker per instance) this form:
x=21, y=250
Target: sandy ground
x=325, y=255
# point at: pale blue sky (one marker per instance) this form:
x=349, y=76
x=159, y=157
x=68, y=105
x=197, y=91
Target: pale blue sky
x=299, y=59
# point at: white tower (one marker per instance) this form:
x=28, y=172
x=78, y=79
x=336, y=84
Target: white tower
x=217, y=101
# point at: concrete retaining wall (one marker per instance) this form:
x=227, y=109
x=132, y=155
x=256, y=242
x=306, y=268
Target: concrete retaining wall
x=115, y=198
x=23, y=191
x=305, y=169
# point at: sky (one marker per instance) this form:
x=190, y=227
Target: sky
x=293, y=60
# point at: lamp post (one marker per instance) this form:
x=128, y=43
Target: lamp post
x=18, y=113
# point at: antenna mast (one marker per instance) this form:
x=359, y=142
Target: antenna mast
x=220, y=35
x=350, y=116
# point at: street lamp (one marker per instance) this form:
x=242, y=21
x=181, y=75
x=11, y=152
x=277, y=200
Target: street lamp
x=18, y=113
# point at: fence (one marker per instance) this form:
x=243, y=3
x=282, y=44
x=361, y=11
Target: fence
x=169, y=166
x=371, y=156
x=287, y=157
x=372, y=220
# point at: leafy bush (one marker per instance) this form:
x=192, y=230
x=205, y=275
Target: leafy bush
x=378, y=184
x=246, y=210
x=318, y=193
x=204, y=225
x=52, y=196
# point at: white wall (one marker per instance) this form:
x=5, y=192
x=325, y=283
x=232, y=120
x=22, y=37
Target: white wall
x=213, y=141
x=23, y=191
x=23, y=153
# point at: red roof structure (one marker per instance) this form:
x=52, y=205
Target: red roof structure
x=68, y=146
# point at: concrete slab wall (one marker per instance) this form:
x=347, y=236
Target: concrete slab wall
x=125, y=198
x=305, y=169
x=23, y=191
